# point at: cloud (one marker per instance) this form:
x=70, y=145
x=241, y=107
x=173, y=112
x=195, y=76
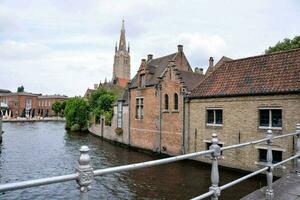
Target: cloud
x=54, y=46
x=12, y=50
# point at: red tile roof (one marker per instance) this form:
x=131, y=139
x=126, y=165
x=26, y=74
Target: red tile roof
x=274, y=73
x=122, y=82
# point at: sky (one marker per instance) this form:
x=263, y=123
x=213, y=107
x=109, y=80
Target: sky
x=65, y=46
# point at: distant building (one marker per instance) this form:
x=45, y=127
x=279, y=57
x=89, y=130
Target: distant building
x=21, y=104
x=121, y=67
x=44, y=106
x=4, y=91
x=25, y=104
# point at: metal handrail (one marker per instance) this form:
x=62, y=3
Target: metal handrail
x=85, y=174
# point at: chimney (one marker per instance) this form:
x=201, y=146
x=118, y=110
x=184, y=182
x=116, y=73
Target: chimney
x=211, y=62
x=149, y=57
x=180, y=48
x=199, y=70
x=95, y=86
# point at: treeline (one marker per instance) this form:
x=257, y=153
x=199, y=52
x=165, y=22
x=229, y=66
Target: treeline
x=78, y=111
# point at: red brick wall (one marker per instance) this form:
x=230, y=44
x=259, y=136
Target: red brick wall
x=171, y=133
x=144, y=133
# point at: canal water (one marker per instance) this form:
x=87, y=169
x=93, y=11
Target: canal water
x=44, y=149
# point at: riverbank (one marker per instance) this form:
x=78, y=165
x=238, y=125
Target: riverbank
x=46, y=119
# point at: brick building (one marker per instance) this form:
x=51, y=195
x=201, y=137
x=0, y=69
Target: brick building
x=25, y=104
x=240, y=100
x=155, y=100
x=20, y=103
x=44, y=106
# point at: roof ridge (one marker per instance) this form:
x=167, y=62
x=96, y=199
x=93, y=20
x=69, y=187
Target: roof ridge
x=162, y=57
x=264, y=55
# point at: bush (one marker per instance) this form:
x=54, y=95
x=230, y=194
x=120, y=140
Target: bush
x=75, y=127
x=119, y=131
x=56, y=107
x=76, y=113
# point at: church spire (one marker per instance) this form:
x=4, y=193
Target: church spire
x=122, y=42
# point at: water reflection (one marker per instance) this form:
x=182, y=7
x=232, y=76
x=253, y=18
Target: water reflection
x=36, y=150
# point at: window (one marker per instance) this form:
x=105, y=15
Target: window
x=270, y=118
x=166, y=102
x=142, y=80
x=175, y=101
x=214, y=116
x=139, y=109
x=28, y=104
x=119, y=114
x=208, y=144
x=277, y=155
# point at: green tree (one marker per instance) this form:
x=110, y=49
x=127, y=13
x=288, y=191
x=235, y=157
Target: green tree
x=101, y=103
x=286, y=44
x=77, y=114
x=62, y=107
x=20, y=89
x=56, y=107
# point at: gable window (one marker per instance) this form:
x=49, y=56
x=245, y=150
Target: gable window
x=139, y=108
x=175, y=101
x=166, y=102
x=119, y=114
x=142, y=80
x=277, y=155
x=214, y=116
x=270, y=118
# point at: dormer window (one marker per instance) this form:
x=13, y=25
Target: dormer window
x=142, y=80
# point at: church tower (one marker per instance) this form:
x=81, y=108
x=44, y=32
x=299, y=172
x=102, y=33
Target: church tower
x=121, y=69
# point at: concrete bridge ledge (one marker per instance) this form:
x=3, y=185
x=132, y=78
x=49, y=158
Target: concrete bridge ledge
x=285, y=188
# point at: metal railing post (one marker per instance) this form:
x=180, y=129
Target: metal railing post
x=214, y=168
x=269, y=190
x=298, y=149
x=85, y=172
x=1, y=128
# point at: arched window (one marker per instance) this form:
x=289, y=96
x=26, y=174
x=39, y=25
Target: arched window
x=166, y=102
x=175, y=101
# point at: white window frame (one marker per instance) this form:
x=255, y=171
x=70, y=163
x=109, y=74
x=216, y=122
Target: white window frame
x=262, y=148
x=270, y=118
x=140, y=112
x=214, y=124
x=119, y=114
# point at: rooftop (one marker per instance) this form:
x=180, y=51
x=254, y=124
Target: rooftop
x=274, y=73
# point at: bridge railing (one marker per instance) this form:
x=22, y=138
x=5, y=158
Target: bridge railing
x=84, y=173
